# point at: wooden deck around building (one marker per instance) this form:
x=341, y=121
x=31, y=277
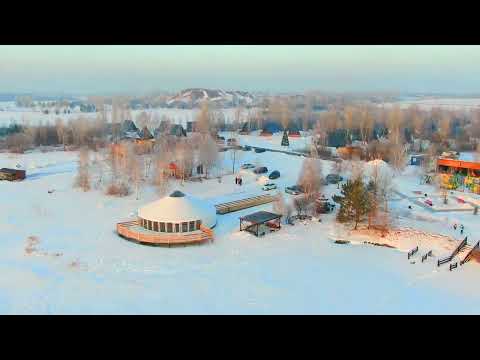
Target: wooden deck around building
x=132, y=231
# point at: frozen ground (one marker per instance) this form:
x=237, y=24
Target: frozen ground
x=81, y=266
x=440, y=102
x=12, y=114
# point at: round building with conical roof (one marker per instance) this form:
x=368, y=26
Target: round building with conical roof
x=176, y=218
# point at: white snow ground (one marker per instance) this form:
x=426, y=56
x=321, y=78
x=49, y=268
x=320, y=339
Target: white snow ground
x=12, y=114
x=440, y=102
x=297, y=270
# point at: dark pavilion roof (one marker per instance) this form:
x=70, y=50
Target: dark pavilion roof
x=260, y=217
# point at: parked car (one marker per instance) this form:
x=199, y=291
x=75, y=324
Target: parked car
x=247, y=166
x=232, y=141
x=259, y=150
x=247, y=148
x=334, y=178
x=260, y=170
x=293, y=190
x=269, y=186
x=274, y=175
x=323, y=206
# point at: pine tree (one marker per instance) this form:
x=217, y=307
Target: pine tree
x=354, y=202
x=285, y=141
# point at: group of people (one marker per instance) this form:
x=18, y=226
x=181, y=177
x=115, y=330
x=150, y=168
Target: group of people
x=461, y=228
x=238, y=180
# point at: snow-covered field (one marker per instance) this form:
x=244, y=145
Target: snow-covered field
x=82, y=267
x=440, y=102
x=9, y=113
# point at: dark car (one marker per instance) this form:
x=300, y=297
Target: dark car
x=293, y=190
x=274, y=175
x=247, y=148
x=260, y=170
x=323, y=206
x=259, y=150
x=333, y=178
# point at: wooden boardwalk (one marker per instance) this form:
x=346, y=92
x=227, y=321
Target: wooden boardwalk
x=228, y=207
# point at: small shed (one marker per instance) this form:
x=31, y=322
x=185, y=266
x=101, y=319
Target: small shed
x=261, y=222
x=191, y=126
x=417, y=160
x=12, y=174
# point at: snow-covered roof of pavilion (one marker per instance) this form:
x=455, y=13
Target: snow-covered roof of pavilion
x=179, y=207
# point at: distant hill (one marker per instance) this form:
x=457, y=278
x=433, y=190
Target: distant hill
x=193, y=97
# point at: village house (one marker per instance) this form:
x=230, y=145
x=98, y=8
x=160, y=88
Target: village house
x=12, y=174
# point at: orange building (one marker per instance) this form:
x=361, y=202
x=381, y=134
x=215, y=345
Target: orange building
x=459, y=171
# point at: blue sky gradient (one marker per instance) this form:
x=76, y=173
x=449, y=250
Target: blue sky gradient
x=139, y=69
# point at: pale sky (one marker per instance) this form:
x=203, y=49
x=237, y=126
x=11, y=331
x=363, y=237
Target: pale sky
x=138, y=69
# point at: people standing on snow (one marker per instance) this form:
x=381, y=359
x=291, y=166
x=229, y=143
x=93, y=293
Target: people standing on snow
x=454, y=226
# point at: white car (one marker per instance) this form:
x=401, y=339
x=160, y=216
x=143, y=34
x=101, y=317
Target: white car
x=269, y=186
x=247, y=166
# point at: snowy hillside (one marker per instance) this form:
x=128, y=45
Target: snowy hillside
x=195, y=96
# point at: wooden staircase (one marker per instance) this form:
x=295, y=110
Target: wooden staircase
x=454, y=253
x=469, y=254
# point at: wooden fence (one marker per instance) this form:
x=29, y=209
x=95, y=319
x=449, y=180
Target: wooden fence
x=424, y=257
x=412, y=252
x=452, y=255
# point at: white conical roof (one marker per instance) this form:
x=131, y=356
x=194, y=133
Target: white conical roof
x=177, y=208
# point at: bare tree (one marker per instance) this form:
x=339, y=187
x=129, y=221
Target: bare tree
x=302, y=204
x=18, y=143
x=397, y=155
x=82, y=180
x=208, y=153
x=203, y=119
x=348, y=121
x=366, y=123
x=444, y=125
x=281, y=207
x=60, y=127
x=310, y=177
x=235, y=153
x=134, y=170
x=143, y=120
x=184, y=159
